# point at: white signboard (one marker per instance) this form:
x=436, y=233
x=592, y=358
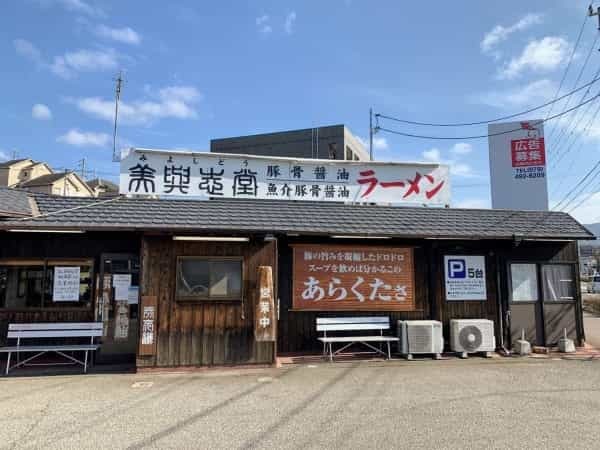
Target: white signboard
x=148, y=325
x=66, y=284
x=133, y=295
x=465, y=277
x=121, y=283
x=518, y=165
x=206, y=175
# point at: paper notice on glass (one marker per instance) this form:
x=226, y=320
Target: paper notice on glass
x=121, y=284
x=66, y=284
x=133, y=295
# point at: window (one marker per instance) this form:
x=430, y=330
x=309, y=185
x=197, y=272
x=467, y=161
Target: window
x=559, y=284
x=30, y=284
x=524, y=282
x=349, y=154
x=202, y=278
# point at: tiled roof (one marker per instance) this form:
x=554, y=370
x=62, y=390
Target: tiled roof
x=44, y=180
x=14, y=202
x=12, y=161
x=297, y=217
x=101, y=182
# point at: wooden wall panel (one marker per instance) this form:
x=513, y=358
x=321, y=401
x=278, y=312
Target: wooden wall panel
x=204, y=333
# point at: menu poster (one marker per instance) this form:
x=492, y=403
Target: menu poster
x=66, y=284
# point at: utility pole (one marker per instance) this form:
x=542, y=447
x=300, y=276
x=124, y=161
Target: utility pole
x=371, y=133
x=591, y=13
x=82, y=165
x=119, y=81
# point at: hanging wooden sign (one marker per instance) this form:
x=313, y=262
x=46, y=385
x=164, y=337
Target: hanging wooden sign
x=264, y=311
x=353, y=278
x=147, y=345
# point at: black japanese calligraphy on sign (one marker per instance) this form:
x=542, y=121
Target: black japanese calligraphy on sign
x=273, y=171
x=141, y=176
x=315, y=190
x=272, y=189
x=176, y=178
x=211, y=181
x=297, y=171
x=244, y=183
x=320, y=172
x=343, y=174
x=301, y=190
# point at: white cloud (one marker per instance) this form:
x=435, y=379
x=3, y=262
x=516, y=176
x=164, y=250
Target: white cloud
x=27, y=50
x=68, y=64
x=457, y=168
x=534, y=93
x=589, y=211
x=262, y=23
x=461, y=170
x=538, y=55
x=177, y=102
x=78, y=6
x=290, y=19
x=379, y=143
x=500, y=33
x=472, y=203
x=124, y=35
x=461, y=148
x=433, y=155
x=84, y=138
x=41, y=112
x=4, y=156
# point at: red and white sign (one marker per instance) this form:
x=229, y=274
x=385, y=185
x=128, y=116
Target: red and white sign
x=214, y=175
x=518, y=165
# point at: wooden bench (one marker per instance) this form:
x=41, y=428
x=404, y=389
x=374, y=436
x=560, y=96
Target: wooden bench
x=354, y=324
x=21, y=331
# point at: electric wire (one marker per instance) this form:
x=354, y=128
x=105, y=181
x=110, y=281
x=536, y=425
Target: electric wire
x=577, y=185
x=498, y=119
x=482, y=136
x=569, y=63
x=568, y=102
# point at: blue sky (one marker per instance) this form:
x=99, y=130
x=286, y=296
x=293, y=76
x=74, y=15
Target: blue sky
x=200, y=70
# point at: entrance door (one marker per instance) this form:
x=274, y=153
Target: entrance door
x=526, y=309
x=542, y=302
x=117, y=301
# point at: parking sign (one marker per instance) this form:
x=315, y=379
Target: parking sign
x=465, y=277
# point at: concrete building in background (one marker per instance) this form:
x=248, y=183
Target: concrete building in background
x=330, y=142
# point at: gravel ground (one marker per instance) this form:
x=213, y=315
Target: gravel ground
x=476, y=403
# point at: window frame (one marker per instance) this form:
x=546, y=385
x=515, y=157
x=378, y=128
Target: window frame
x=573, y=280
x=208, y=299
x=50, y=263
x=540, y=282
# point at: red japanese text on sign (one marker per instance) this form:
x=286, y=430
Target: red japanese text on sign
x=528, y=152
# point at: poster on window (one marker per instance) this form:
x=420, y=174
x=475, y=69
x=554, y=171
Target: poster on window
x=205, y=175
x=353, y=278
x=121, y=320
x=465, y=277
x=121, y=284
x=66, y=284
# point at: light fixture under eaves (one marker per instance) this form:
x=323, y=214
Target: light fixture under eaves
x=30, y=230
x=343, y=236
x=212, y=238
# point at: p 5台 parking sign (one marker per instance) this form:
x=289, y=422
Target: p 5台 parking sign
x=465, y=277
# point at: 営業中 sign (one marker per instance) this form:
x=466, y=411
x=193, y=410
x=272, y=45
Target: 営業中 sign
x=349, y=278
x=264, y=315
x=518, y=165
x=465, y=277
x=66, y=284
x=214, y=175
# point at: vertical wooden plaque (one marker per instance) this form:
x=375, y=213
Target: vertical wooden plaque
x=148, y=325
x=265, y=325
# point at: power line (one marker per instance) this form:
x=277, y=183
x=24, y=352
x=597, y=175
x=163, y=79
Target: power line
x=498, y=119
x=482, y=136
x=587, y=175
x=569, y=63
x=585, y=63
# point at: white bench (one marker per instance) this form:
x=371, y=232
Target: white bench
x=354, y=324
x=21, y=331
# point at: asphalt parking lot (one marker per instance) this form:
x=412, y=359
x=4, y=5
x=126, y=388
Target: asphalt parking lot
x=475, y=403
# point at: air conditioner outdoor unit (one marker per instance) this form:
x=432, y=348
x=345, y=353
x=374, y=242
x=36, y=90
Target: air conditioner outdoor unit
x=420, y=336
x=472, y=336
